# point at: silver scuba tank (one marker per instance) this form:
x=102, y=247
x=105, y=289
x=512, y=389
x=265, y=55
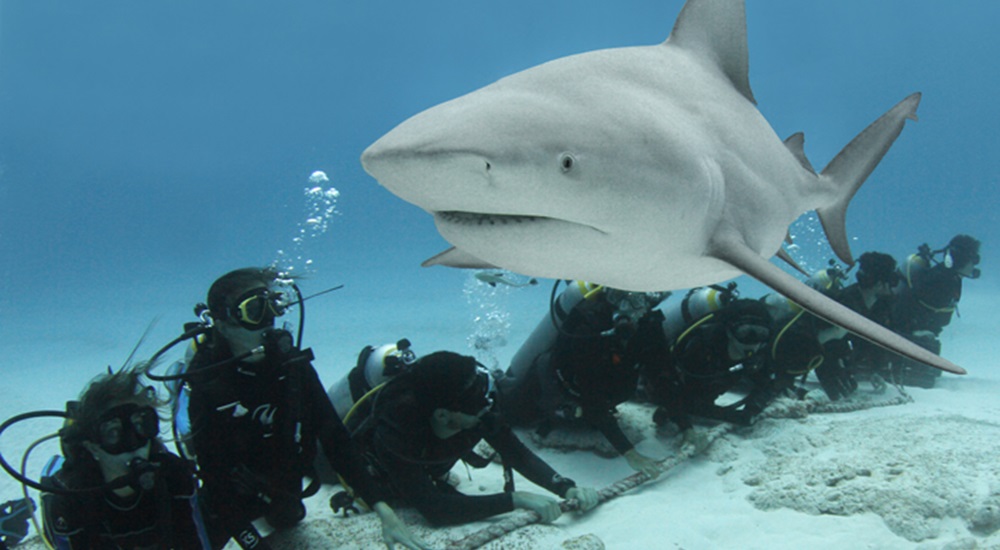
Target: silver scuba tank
x=544, y=336
x=697, y=303
x=374, y=366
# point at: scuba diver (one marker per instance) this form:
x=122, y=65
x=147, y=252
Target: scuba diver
x=715, y=354
x=433, y=414
x=846, y=355
x=927, y=300
x=257, y=409
x=803, y=343
x=583, y=360
x=145, y=496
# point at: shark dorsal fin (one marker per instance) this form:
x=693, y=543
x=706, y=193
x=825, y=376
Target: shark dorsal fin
x=716, y=30
x=796, y=145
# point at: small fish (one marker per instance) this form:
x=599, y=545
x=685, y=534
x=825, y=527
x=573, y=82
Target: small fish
x=492, y=278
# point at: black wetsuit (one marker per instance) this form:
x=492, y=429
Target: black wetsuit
x=699, y=372
x=588, y=372
x=413, y=461
x=255, y=429
x=923, y=308
x=165, y=516
x=929, y=302
x=843, y=356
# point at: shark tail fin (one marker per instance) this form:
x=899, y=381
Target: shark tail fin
x=855, y=162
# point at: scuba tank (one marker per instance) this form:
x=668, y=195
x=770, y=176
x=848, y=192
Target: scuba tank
x=374, y=366
x=826, y=281
x=545, y=333
x=181, y=424
x=916, y=263
x=697, y=303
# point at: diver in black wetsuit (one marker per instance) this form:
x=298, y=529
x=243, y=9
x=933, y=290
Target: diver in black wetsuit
x=593, y=367
x=715, y=354
x=113, y=435
x=844, y=353
x=428, y=418
x=928, y=299
x=257, y=419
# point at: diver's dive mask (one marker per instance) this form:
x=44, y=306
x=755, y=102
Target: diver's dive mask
x=750, y=335
x=966, y=269
x=258, y=308
x=127, y=427
x=630, y=307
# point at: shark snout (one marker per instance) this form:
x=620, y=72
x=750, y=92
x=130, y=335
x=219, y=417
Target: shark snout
x=433, y=178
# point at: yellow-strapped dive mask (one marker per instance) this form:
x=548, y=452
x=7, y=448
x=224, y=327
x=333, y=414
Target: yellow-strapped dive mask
x=258, y=308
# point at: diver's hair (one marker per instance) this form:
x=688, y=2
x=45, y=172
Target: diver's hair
x=876, y=267
x=442, y=379
x=230, y=286
x=105, y=392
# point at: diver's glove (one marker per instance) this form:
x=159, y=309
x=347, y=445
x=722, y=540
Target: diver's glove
x=585, y=497
x=693, y=441
x=394, y=531
x=547, y=508
x=642, y=463
x=837, y=380
x=878, y=383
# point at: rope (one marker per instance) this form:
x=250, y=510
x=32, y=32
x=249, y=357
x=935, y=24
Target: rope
x=523, y=518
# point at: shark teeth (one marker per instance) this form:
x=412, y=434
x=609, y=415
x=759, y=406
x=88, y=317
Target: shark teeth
x=479, y=218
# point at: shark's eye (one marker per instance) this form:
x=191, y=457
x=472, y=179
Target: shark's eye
x=566, y=162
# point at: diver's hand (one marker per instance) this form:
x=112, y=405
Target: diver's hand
x=547, y=508
x=642, y=463
x=394, y=531
x=585, y=497
x=693, y=441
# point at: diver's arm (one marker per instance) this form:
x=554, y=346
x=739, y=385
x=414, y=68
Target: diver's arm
x=527, y=463
x=439, y=507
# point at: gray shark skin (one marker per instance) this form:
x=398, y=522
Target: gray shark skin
x=642, y=168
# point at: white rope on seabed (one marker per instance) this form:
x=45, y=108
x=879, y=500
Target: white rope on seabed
x=523, y=518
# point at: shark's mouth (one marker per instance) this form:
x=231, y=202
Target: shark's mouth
x=486, y=220
x=480, y=218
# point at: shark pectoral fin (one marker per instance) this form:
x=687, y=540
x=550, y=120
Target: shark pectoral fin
x=740, y=256
x=454, y=257
x=785, y=257
x=854, y=163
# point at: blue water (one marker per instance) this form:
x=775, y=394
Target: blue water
x=147, y=148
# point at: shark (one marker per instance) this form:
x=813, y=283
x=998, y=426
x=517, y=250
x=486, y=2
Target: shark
x=643, y=168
